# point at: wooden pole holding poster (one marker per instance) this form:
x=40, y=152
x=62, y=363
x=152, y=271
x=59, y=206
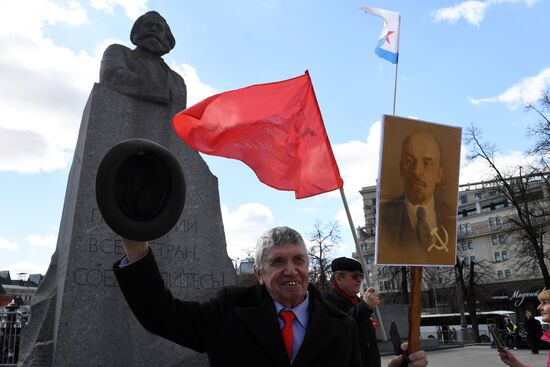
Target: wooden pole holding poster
x=415, y=307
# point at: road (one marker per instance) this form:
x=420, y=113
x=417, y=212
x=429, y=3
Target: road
x=478, y=356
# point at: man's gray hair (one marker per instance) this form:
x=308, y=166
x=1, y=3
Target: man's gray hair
x=275, y=237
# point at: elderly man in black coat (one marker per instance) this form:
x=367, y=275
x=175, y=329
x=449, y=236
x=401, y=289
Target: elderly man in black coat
x=248, y=326
x=347, y=275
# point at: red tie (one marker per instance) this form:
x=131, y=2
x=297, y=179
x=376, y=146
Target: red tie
x=288, y=333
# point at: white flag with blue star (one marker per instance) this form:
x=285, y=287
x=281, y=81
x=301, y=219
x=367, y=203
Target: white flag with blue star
x=388, y=43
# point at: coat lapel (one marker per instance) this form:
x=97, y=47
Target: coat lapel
x=322, y=331
x=261, y=321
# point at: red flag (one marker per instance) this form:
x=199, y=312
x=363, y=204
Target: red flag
x=275, y=128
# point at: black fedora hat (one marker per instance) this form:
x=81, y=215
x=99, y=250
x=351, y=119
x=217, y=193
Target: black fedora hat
x=140, y=189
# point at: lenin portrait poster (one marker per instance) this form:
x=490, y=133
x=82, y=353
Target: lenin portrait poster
x=417, y=193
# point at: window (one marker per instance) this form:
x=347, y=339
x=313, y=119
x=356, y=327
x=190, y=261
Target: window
x=498, y=257
x=494, y=240
x=500, y=205
x=386, y=284
x=536, y=269
x=504, y=255
x=473, y=259
x=532, y=252
x=502, y=239
x=468, y=228
x=508, y=273
x=370, y=259
x=478, y=195
x=369, y=273
x=461, y=229
x=463, y=199
x=492, y=193
x=467, y=261
x=500, y=274
x=467, y=245
x=495, y=222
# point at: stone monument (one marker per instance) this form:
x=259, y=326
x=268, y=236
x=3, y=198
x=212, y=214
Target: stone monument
x=79, y=316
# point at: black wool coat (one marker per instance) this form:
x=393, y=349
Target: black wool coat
x=239, y=326
x=361, y=313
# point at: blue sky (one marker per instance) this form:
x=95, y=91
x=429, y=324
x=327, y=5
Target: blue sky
x=460, y=63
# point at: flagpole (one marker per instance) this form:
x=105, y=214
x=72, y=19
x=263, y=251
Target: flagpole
x=361, y=259
x=395, y=88
x=396, y=65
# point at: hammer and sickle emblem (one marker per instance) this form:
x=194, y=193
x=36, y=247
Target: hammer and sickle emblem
x=439, y=244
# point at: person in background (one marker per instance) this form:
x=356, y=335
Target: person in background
x=347, y=275
x=533, y=330
x=512, y=333
x=454, y=335
x=544, y=308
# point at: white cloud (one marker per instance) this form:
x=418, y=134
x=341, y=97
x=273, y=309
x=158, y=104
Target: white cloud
x=479, y=170
x=243, y=226
x=132, y=8
x=45, y=86
x=27, y=15
x=8, y=245
x=196, y=89
x=527, y=91
x=48, y=241
x=358, y=160
x=472, y=11
x=28, y=151
x=358, y=163
x=27, y=267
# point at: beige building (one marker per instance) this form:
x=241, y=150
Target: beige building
x=509, y=279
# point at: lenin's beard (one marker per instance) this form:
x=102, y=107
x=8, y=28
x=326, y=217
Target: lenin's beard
x=153, y=43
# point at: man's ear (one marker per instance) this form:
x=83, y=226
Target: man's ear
x=258, y=275
x=337, y=278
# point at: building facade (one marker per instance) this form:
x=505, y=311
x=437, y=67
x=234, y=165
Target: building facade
x=20, y=290
x=507, y=275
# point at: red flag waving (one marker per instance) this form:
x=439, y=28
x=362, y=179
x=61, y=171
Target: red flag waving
x=275, y=128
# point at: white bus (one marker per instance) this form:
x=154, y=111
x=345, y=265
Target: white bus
x=440, y=326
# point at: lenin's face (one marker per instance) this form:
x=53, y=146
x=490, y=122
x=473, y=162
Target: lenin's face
x=420, y=166
x=151, y=36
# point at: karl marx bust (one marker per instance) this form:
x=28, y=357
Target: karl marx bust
x=141, y=72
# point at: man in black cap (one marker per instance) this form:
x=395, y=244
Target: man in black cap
x=347, y=275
